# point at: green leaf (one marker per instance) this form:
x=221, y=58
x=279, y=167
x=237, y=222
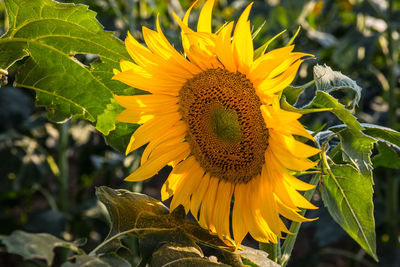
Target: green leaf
x=86, y=261
x=129, y=210
x=355, y=144
x=347, y=190
x=286, y=106
x=357, y=148
x=387, y=157
x=155, y=226
x=292, y=93
x=113, y=259
x=54, y=35
x=325, y=100
x=382, y=133
x=35, y=246
x=348, y=197
x=328, y=81
x=144, y=214
x=182, y=251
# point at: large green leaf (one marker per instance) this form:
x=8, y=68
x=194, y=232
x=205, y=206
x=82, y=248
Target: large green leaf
x=161, y=233
x=348, y=196
x=53, y=35
x=35, y=246
x=341, y=187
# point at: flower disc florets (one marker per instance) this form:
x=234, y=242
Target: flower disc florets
x=226, y=130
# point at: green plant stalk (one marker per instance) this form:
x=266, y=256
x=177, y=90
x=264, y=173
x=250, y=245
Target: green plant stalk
x=273, y=250
x=393, y=183
x=288, y=245
x=63, y=166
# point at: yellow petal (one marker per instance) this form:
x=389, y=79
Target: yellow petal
x=289, y=161
x=238, y=226
x=174, y=135
x=198, y=195
x=266, y=202
x=297, y=183
x=126, y=65
x=204, y=22
x=187, y=186
x=243, y=42
x=298, y=199
x=258, y=227
x=223, y=48
x=142, y=102
x=147, y=82
x=272, y=86
x=139, y=53
x=154, y=165
x=207, y=205
x=222, y=210
x=151, y=130
x=290, y=213
x=291, y=145
x=133, y=116
x=177, y=174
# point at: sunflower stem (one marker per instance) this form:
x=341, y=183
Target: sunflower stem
x=288, y=245
x=63, y=166
x=272, y=249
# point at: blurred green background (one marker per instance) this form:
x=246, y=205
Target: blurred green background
x=49, y=171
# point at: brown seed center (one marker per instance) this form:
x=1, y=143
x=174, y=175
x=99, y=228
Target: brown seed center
x=226, y=131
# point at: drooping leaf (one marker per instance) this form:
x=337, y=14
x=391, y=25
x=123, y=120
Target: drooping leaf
x=35, y=246
x=151, y=222
x=129, y=210
x=348, y=197
x=52, y=35
x=154, y=225
x=328, y=81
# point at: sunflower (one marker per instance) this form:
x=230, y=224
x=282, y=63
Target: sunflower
x=213, y=114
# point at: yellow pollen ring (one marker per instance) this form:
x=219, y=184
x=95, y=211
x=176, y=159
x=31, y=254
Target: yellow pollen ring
x=226, y=131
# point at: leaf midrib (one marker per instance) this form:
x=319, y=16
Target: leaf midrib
x=59, y=96
x=351, y=209
x=13, y=33
x=63, y=54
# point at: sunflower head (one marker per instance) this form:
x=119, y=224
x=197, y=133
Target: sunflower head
x=213, y=114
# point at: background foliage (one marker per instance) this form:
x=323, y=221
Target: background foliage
x=49, y=170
